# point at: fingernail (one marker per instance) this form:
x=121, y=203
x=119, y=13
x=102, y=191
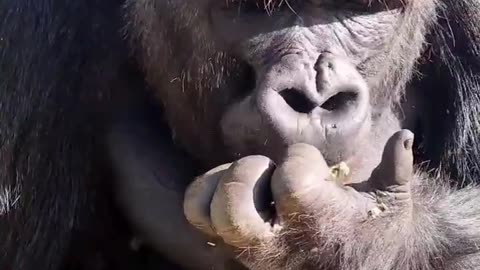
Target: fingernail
x=408, y=144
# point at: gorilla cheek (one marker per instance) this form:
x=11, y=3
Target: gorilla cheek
x=243, y=129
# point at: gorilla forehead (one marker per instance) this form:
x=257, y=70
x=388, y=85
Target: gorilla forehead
x=221, y=25
x=312, y=30
x=191, y=34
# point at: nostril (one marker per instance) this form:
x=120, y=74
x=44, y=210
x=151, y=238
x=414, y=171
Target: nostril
x=297, y=101
x=340, y=101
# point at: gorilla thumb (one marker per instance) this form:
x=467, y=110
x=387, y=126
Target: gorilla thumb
x=396, y=168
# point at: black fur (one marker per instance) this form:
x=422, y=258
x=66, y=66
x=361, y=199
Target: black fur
x=450, y=77
x=59, y=62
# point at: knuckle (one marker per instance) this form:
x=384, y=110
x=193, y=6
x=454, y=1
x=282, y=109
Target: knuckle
x=198, y=197
x=252, y=161
x=233, y=212
x=301, y=148
x=248, y=170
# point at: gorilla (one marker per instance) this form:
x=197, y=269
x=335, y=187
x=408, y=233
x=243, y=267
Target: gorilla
x=233, y=134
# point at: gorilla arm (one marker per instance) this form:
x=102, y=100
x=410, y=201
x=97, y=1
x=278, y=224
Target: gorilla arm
x=396, y=220
x=151, y=177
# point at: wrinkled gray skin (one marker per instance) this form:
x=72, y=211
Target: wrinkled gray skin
x=328, y=80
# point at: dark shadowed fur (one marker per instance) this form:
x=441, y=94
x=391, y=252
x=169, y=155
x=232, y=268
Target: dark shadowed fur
x=65, y=72
x=451, y=67
x=60, y=62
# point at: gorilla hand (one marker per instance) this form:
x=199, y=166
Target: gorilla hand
x=312, y=220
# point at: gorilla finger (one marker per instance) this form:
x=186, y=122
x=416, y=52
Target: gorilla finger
x=198, y=197
x=303, y=180
x=396, y=168
x=237, y=201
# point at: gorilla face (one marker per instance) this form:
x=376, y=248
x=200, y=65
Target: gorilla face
x=252, y=77
x=309, y=87
x=307, y=84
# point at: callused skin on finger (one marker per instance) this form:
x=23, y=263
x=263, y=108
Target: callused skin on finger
x=396, y=170
x=233, y=209
x=302, y=180
x=198, y=197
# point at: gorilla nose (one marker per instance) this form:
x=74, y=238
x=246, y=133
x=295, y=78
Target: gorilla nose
x=343, y=92
x=338, y=88
x=325, y=104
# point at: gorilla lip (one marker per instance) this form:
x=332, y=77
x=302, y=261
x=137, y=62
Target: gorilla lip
x=285, y=120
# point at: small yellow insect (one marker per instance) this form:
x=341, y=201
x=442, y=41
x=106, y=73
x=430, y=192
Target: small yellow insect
x=340, y=172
